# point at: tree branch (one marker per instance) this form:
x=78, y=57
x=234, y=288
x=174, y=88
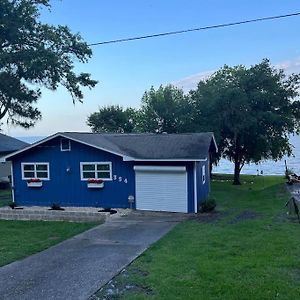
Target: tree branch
x=6, y=108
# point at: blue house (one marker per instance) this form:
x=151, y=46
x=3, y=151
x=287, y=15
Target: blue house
x=159, y=172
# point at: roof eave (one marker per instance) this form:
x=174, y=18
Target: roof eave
x=126, y=158
x=31, y=146
x=215, y=143
x=59, y=135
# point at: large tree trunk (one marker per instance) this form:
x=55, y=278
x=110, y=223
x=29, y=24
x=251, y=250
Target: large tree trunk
x=237, y=162
x=237, y=171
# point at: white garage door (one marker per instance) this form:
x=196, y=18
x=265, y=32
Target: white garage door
x=161, y=188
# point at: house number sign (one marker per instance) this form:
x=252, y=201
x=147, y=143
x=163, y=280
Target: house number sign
x=120, y=179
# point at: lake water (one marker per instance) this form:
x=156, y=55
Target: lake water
x=267, y=167
x=225, y=166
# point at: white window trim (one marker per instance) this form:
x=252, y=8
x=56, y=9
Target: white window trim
x=61, y=148
x=35, y=163
x=203, y=175
x=96, y=163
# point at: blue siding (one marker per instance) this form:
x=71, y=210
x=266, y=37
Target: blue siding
x=67, y=189
x=202, y=189
x=191, y=194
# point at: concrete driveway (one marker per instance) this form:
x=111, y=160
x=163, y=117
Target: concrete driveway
x=78, y=267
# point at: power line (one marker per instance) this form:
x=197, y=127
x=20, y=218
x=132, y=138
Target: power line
x=195, y=29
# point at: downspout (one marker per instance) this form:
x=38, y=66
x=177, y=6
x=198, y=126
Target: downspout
x=195, y=188
x=12, y=182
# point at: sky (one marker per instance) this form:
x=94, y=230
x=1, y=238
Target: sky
x=126, y=70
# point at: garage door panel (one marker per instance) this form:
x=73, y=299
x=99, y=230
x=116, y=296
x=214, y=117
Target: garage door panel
x=161, y=191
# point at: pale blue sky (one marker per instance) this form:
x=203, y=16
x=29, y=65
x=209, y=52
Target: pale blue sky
x=126, y=70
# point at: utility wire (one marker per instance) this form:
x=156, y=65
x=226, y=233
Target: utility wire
x=195, y=29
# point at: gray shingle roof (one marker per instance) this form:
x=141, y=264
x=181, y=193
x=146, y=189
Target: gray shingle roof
x=9, y=144
x=150, y=146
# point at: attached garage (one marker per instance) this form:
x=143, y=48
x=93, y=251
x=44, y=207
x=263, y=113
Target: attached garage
x=161, y=188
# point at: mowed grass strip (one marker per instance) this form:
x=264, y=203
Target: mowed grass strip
x=250, y=249
x=19, y=239
x=5, y=197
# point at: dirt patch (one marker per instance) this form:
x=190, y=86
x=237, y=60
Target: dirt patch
x=121, y=285
x=211, y=217
x=244, y=215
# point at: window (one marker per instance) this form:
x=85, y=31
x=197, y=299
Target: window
x=35, y=170
x=96, y=170
x=65, y=145
x=203, y=174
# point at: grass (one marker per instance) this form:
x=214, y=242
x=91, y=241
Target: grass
x=250, y=249
x=19, y=239
x=5, y=197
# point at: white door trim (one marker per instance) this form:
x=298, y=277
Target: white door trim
x=195, y=188
x=160, y=168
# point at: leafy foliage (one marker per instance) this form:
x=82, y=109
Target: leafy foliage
x=56, y=206
x=12, y=205
x=113, y=119
x=208, y=206
x=166, y=109
x=251, y=111
x=35, y=55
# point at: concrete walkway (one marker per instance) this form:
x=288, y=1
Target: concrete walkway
x=78, y=267
x=294, y=189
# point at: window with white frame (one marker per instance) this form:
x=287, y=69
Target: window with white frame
x=96, y=170
x=203, y=174
x=35, y=170
x=65, y=145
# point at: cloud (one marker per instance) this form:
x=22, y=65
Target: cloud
x=190, y=82
x=290, y=66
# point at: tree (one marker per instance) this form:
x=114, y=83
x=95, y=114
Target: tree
x=166, y=109
x=252, y=112
x=35, y=55
x=113, y=119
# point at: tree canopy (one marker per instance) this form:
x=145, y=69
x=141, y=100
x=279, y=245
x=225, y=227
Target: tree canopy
x=252, y=112
x=113, y=119
x=35, y=55
x=166, y=109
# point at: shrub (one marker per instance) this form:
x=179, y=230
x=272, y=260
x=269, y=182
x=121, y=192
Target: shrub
x=56, y=206
x=12, y=205
x=208, y=205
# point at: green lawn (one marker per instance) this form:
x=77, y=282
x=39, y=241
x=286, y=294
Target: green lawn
x=250, y=249
x=19, y=239
x=5, y=197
